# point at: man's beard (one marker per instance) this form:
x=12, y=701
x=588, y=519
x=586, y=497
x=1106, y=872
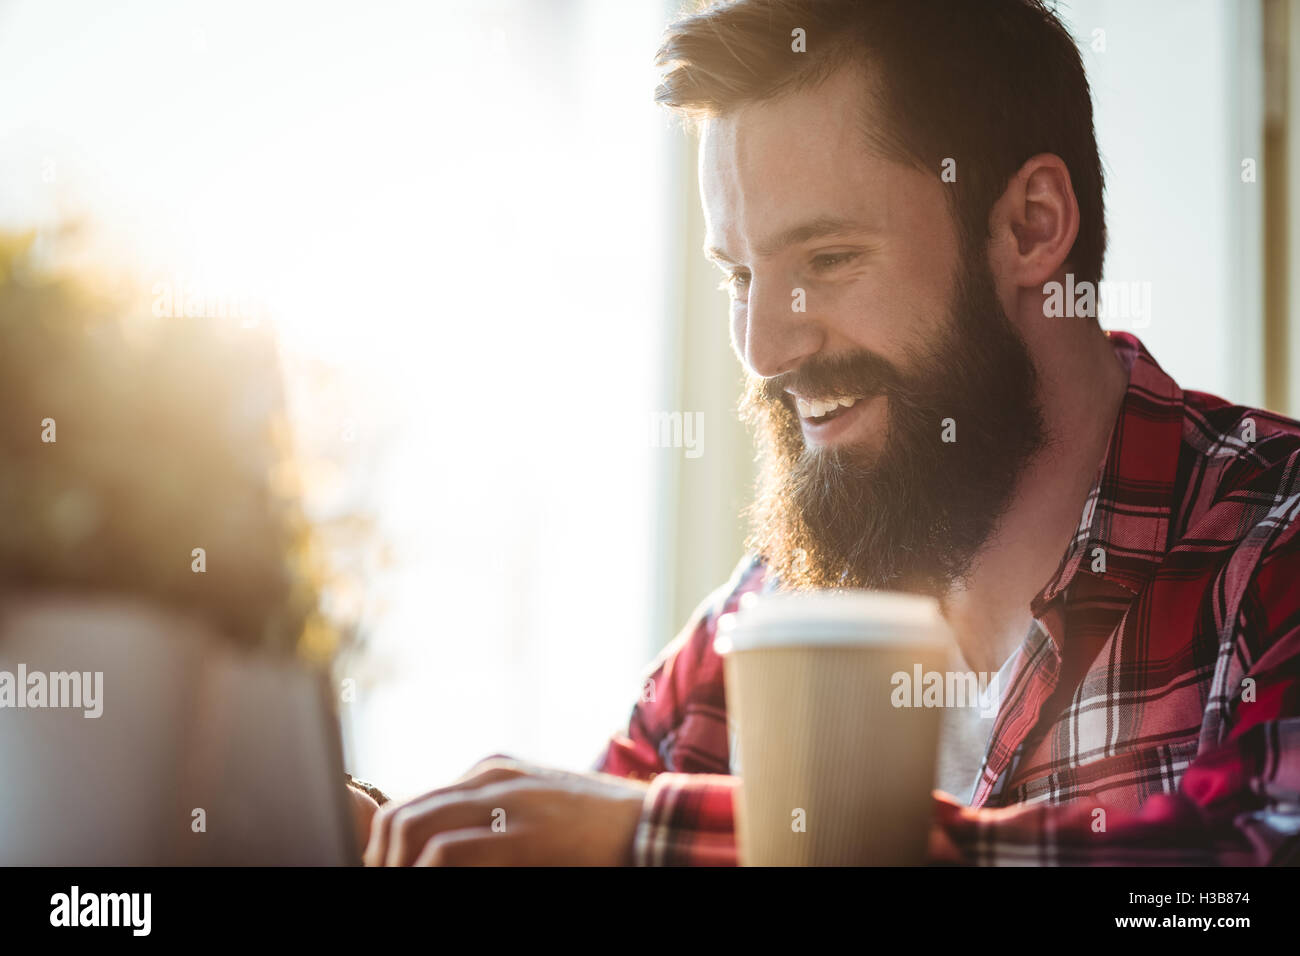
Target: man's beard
x=913, y=515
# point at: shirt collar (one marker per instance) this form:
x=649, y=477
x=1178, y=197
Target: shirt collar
x=1128, y=512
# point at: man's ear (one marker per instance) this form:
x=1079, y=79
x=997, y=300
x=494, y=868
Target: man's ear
x=1032, y=227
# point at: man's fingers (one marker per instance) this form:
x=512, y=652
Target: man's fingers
x=456, y=810
x=413, y=825
x=519, y=768
x=492, y=762
x=484, y=773
x=364, y=809
x=478, y=846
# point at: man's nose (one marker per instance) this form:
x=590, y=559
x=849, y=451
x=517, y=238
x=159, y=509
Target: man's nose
x=777, y=338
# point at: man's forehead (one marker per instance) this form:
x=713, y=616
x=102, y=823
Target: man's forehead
x=776, y=184
x=809, y=131
x=807, y=160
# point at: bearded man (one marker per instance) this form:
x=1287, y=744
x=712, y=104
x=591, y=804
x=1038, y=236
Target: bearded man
x=890, y=197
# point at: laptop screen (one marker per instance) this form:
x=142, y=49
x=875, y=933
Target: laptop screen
x=133, y=737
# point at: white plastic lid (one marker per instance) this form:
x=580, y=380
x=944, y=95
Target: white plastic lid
x=831, y=618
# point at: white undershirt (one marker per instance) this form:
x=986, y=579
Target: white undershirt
x=964, y=733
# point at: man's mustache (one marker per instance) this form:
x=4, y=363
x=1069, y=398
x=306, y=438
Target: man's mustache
x=859, y=373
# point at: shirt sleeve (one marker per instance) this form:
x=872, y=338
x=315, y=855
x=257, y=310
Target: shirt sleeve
x=1238, y=803
x=688, y=820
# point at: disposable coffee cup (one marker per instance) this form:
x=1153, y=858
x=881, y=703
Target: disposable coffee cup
x=835, y=753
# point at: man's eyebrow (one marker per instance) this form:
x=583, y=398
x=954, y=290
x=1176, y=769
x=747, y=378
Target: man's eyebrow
x=820, y=228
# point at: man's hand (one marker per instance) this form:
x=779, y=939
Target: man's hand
x=364, y=809
x=504, y=812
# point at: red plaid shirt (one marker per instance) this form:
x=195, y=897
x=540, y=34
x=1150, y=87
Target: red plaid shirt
x=1164, y=690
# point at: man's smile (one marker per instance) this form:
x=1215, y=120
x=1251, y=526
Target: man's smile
x=835, y=419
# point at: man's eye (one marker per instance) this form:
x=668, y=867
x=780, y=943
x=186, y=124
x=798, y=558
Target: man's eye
x=734, y=280
x=829, y=260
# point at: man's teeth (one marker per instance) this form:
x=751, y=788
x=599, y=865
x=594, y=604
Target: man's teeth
x=819, y=407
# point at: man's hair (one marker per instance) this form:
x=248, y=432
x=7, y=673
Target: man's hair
x=987, y=83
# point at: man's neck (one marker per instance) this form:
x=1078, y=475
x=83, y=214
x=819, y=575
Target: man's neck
x=1081, y=388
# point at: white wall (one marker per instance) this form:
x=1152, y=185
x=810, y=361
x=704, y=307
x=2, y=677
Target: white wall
x=1177, y=94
